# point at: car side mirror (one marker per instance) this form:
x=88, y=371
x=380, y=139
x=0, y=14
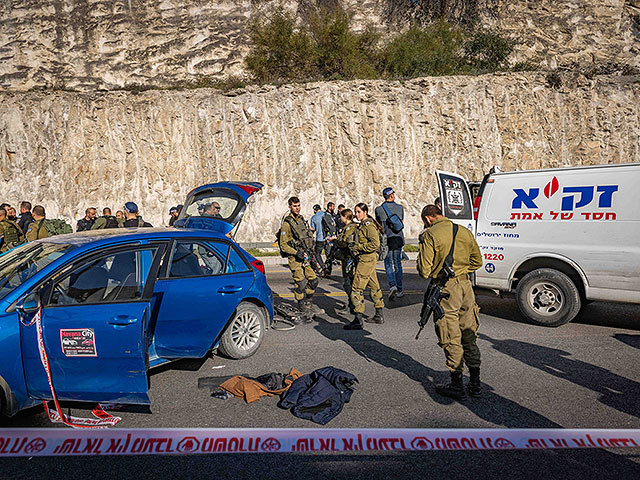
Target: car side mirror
x=29, y=304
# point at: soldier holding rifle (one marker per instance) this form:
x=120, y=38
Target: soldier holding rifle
x=458, y=326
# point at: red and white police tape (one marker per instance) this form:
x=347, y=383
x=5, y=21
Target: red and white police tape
x=57, y=442
x=102, y=420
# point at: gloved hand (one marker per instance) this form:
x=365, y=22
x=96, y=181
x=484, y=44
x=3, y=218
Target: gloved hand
x=300, y=255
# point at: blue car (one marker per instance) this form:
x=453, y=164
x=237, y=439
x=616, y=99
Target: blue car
x=116, y=302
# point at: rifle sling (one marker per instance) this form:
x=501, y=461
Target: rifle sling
x=449, y=258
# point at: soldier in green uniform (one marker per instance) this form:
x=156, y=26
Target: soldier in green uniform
x=346, y=236
x=294, y=230
x=37, y=229
x=10, y=231
x=365, y=250
x=457, y=331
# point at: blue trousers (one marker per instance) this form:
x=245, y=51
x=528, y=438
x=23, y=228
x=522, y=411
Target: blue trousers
x=393, y=268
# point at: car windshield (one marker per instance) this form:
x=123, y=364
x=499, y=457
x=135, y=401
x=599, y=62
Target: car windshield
x=219, y=204
x=20, y=264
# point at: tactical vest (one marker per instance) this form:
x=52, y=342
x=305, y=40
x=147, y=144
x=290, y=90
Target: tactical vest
x=12, y=232
x=300, y=229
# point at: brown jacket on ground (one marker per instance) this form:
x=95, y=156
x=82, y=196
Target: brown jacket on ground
x=251, y=390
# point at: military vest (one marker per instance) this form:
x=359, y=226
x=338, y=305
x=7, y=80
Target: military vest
x=12, y=232
x=300, y=229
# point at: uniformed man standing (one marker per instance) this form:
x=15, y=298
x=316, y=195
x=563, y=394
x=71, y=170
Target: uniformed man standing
x=293, y=231
x=37, y=229
x=11, y=234
x=457, y=330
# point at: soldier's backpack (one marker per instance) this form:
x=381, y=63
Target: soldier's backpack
x=56, y=226
x=328, y=225
x=111, y=222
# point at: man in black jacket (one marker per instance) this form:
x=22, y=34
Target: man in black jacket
x=87, y=222
x=26, y=218
x=132, y=219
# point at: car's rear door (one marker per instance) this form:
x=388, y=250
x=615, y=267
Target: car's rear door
x=456, y=200
x=201, y=284
x=94, y=319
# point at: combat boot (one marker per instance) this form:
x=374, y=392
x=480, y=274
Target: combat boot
x=312, y=308
x=356, y=324
x=377, y=318
x=474, y=387
x=454, y=389
x=305, y=314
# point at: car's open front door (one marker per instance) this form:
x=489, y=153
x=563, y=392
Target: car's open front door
x=94, y=319
x=456, y=200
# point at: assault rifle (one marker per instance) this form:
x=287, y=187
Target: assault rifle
x=433, y=295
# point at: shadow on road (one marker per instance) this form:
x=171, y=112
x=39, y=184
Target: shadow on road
x=491, y=407
x=616, y=391
x=631, y=340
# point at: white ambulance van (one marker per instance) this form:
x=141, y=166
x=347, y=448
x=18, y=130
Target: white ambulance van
x=557, y=238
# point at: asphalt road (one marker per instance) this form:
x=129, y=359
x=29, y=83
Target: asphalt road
x=581, y=375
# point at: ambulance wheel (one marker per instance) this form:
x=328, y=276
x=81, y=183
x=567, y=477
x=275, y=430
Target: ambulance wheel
x=245, y=332
x=548, y=297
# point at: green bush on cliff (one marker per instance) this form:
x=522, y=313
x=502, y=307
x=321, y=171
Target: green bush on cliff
x=324, y=46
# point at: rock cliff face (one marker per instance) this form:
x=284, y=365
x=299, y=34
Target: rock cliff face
x=110, y=44
x=341, y=141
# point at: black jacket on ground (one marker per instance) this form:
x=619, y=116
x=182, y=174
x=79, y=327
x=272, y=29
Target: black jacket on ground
x=320, y=395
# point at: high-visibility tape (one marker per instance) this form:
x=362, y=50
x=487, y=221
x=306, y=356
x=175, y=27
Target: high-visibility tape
x=57, y=442
x=102, y=420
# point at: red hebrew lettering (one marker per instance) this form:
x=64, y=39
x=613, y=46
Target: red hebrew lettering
x=114, y=443
x=470, y=443
x=271, y=445
x=566, y=216
x=526, y=216
x=302, y=445
x=537, y=216
x=559, y=442
x=372, y=444
x=515, y=216
x=254, y=443
x=603, y=442
x=621, y=442
x=326, y=444
x=440, y=444
x=348, y=444
x=220, y=445
x=138, y=445
x=536, y=443
x=554, y=214
x=66, y=447
x=580, y=442
x=92, y=445
x=453, y=444
x=598, y=215
x=586, y=215
x=610, y=216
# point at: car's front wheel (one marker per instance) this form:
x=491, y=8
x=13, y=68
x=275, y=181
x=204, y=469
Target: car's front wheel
x=245, y=332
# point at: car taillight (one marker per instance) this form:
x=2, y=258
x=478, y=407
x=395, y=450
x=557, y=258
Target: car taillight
x=476, y=207
x=258, y=265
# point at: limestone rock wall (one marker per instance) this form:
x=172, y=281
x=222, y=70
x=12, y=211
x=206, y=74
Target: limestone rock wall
x=340, y=141
x=109, y=44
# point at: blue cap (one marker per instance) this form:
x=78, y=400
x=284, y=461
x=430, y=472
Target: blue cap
x=131, y=207
x=387, y=191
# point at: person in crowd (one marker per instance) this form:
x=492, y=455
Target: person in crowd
x=365, y=250
x=11, y=214
x=120, y=217
x=10, y=233
x=4, y=205
x=346, y=237
x=107, y=220
x=316, y=227
x=212, y=210
x=87, y=222
x=338, y=218
x=294, y=231
x=173, y=215
x=457, y=330
x=25, y=216
x=37, y=229
x=385, y=214
x=330, y=232
x=132, y=217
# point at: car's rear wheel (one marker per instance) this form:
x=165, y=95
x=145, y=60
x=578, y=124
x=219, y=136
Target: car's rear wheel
x=245, y=332
x=548, y=297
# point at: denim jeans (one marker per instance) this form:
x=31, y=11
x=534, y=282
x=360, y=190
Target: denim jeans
x=393, y=261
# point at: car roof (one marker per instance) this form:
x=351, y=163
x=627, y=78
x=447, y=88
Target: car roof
x=109, y=235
